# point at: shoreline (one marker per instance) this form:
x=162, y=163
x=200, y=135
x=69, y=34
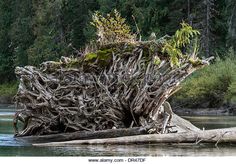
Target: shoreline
x=6, y=100
x=221, y=111
x=225, y=110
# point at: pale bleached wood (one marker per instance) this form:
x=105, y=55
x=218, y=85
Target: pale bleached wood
x=227, y=135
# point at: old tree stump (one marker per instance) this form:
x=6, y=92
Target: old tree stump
x=115, y=88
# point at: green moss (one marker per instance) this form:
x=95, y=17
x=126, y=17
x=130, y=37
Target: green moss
x=157, y=60
x=55, y=66
x=90, y=56
x=104, y=57
x=74, y=63
x=104, y=54
x=195, y=63
x=129, y=47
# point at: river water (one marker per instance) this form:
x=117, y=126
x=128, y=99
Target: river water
x=10, y=147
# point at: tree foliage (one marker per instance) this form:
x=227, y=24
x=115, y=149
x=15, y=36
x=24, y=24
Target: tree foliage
x=33, y=31
x=112, y=28
x=173, y=47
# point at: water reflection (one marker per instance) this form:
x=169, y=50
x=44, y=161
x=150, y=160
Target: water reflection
x=122, y=150
x=212, y=122
x=6, y=125
x=11, y=147
x=153, y=150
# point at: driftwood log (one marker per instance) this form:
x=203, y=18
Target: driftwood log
x=216, y=136
x=177, y=124
x=187, y=133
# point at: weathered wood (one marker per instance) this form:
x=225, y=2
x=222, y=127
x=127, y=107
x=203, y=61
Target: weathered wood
x=177, y=125
x=60, y=97
x=182, y=125
x=165, y=121
x=216, y=136
x=81, y=135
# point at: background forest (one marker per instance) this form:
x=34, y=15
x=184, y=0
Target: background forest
x=33, y=31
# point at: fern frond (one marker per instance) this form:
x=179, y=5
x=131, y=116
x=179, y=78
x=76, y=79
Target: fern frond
x=182, y=38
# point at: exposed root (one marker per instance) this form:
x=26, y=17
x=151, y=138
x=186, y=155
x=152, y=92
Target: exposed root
x=118, y=86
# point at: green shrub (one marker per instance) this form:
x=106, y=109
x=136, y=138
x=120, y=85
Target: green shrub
x=8, y=89
x=231, y=94
x=209, y=87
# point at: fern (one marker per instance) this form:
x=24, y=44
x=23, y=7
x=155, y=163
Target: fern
x=182, y=38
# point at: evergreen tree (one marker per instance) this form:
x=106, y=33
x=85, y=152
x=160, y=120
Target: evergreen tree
x=6, y=47
x=47, y=29
x=220, y=28
x=202, y=19
x=77, y=15
x=21, y=31
x=33, y=31
x=232, y=24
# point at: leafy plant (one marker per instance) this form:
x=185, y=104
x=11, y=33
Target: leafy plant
x=173, y=47
x=112, y=28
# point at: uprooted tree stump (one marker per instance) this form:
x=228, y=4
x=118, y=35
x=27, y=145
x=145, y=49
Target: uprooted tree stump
x=118, y=88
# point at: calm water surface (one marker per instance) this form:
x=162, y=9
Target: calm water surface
x=10, y=147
